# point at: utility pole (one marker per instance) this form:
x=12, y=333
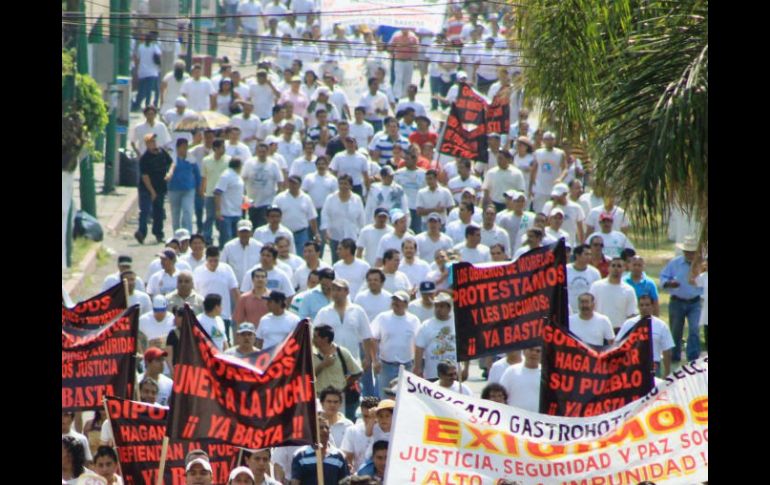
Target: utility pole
x=87, y=182
x=110, y=150
x=197, y=24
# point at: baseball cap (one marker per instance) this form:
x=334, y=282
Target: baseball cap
x=322, y=90
x=385, y=404
x=493, y=135
x=341, y=283
x=434, y=216
x=559, y=190
x=275, y=296
x=180, y=101
x=379, y=211
x=442, y=298
x=386, y=171
x=401, y=295
x=167, y=253
x=427, y=287
x=182, y=235
x=199, y=461
x=124, y=259
x=172, y=239
x=159, y=303
x=154, y=353
x=556, y=210
x=238, y=470
x=396, y=215
x=244, y=225
x=469, y=190
x=462, y=75
x=514, y=194
x=548, y=134
x=247, y=327
x=421, y=117
x=149, y=136
x=605, y=217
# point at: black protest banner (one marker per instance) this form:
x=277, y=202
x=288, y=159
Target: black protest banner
x=97, y=310
x=268, y=401
x=99, y=361
x=579, y=380
x=138, y=429
x=466, y=129
x=498, y=115
x=502, y=307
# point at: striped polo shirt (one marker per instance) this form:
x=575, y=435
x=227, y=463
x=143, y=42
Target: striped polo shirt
x=384, y=145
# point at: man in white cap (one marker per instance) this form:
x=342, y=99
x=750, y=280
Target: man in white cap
x=395, y=332
x=180, y=111
x=164, y=281
x=686, y=299
x=573, y=212
x=241, y=475
x=432, y=239
x=435, y=339
x=246, y=336
x=198, y=472
x=554, y=230
x=549, y=167
x=183, y=236
x=614, y=241
x=155, y=326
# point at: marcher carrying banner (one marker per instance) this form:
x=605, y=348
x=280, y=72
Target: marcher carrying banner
x=501, y=307
x=465, y=130
x=98, y=361
x=225, y=399
x=579, y=380
x=97, y=310
x=139, y=428
x=440, y=436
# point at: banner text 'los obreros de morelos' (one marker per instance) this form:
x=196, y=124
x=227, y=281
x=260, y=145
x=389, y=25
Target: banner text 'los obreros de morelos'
x=578, y=380
x=501, y=307
x=442, y=437
x=139, y=428
x=267, y=401
x=97, y=361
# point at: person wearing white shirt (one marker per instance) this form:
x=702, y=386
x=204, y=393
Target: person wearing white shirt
x=614, y=241
x=124, y=264
x=501, y=178
x=242, y=252
x=491, y=233
x=351, y=269
x=580, y=274
x=360, y=129
x=522, y=381
x=212, y=322
x=589, y=325
x=448, y=378
x=370, y=236
x=268, y=233
x=156, y=265
x=662, y=340
x=249, y=124
x=234, y=147
x=263, y=94
x=554, y=230
x=276, y=325
x=534, y=239
x=411, y=102
x=250, y=12
x=305, y=164
x=549, y=167
x=155, y=364
x=299, y=213
x=432, y=239
x=311, y=261
x=156, y=325
x=607, y=208
x=263, y=178
x=198, y=90
x=171, y=85
x=218, y=279
x=148, y=71
x=277, y=278
x=395, y=332
x=572, y=211
x=423, y=307
x=197, y=256
x=175, y=114
x=135, y=296
x=372, y=297
x=376, y=105
x=432, y=198
x=395, y=280
x=472, y=251
x=435, y=339
x=351, y=163
x=288, y=146
x=464, y=179
x=515, y=220
x=342, y=215
x=415, y=269
x=291, y=262
x=164, y=280
x=355, y=442
x=499, y=367
x=228, y=198
x=614, y=297
x=386, y=195
x=151, y=126
x=395, y=238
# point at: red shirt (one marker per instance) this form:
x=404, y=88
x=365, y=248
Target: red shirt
x=422, y=163
x=405, y=47
x=422, y=138
x=603, y=266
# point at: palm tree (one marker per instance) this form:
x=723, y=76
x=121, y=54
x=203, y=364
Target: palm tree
x=628, y=78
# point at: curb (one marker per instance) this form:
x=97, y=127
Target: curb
x=115, y=224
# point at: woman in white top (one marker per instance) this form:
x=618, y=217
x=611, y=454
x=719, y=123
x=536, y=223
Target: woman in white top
x=171, y=86
x=310, y=83
x=342, y=215
x=523, y=156
x=226, y=96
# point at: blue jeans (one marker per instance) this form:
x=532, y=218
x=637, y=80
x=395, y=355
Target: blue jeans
x=182, y=208
x=416, y=221
x=230, y=22
x=211, y=219
x=376, y=124
x=435, y=88
x=149, y=87
x=228, y=326
x=147, y=205
x=249, y=41
x=323, y=238
x=228, y=228
x=300, y=238
x=678, y=310
x=444, y=87
x=368, y=386
x=333, y=247
x=387, y=374
x=200, y=202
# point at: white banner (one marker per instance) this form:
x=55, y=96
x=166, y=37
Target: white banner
x=423, y=14
x=442, y=437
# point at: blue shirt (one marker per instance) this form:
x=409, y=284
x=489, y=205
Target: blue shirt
x=644, y=287
x=312, y=303
x=382, y=143
x=303, y=466
x=187, y=176
x=678, y=269
x=367, y=470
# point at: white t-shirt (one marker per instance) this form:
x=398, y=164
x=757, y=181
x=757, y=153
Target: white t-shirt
x=396, y=281
x=497, y=181
x=319, y=187
x=261, y=179
x=165, y=386
x=594, y=331
x=369, y=239
x=349, y=333
x=702, y=281
x=480, y=254
x=456, y=185
x=614, y=242
x=496, y=235
x=277, y=279
x=392, y=241
x=412, y=181
x=356, y=442
x=219, y=282
x=273, y=329
x=302, y=167
x=154, y=329
x=523, y=386
x=618, y=302
x=396, y=335
x=661, y=335
x=426, y=247
x=162, y=282
x=417, y=309
x=498, y=369
x=548, y=169
x=579, y=282
x=417, y=272
x=437, y=339
x=297, y=211
x=114, y=278
x=299, y=277
x=441, y=197
x=362, y=133
x=230, y=185
x=239, y=258
x=215, y=329
x=263, y=98
x=198, y=93
x=573, y=213
x=374, y=304
x=83, y=441
x=238, y=150
x=159, y=129
x=146, y=54
x=619, y=218
x=155, y=266
x=342, y=219
x=142, y=299
x=266, y=235
x=346, y=164
x=354, y=273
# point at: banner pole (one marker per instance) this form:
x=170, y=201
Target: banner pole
x=319, y=467
x=125, y=287
x=162, y=466
x=440, y=141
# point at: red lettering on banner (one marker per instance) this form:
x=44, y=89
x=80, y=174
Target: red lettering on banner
x=666, y=419
x=481, y=439
x=544, y=450
x=700, y=410
x=442, y=431
x=85, y=396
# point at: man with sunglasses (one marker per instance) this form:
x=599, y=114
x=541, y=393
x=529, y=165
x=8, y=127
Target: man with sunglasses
x=597, y=259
